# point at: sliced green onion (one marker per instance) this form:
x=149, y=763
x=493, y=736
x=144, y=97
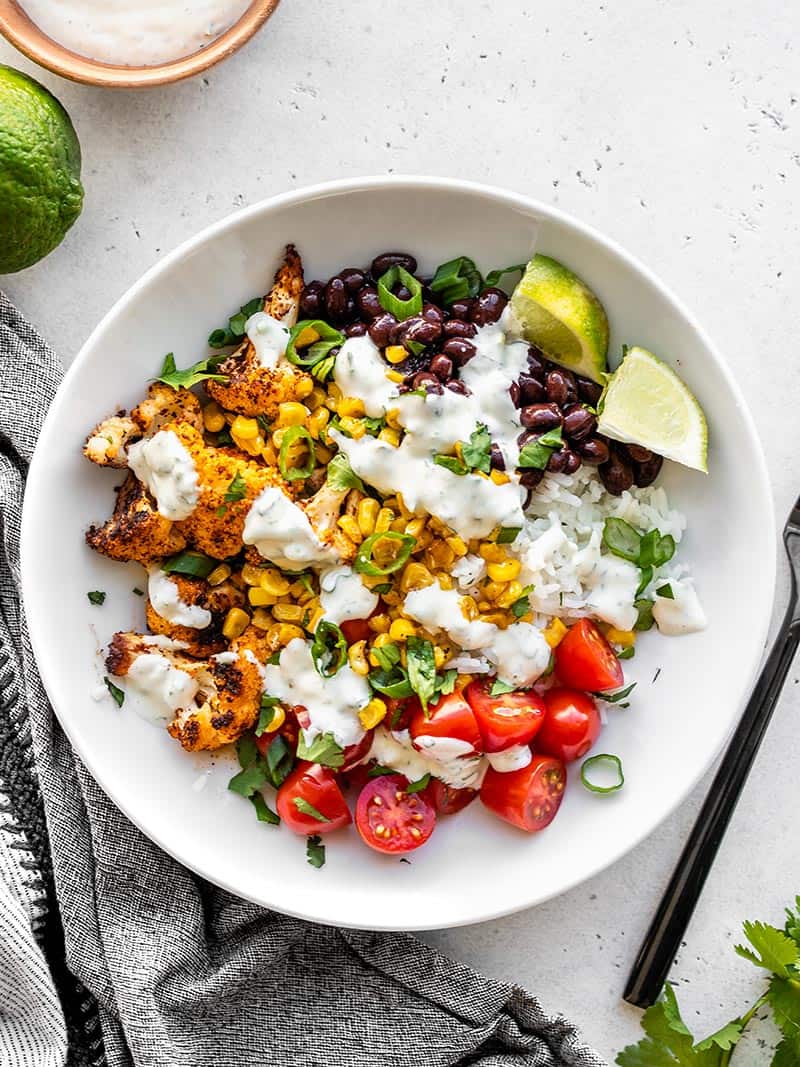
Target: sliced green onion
x=292, y=434
x=401, y=309
x=456, y=280
x=621, y=539
x=364, y=563
x=645, y=578
x=115, y=691
x=606, y=759
x=195, y=564
x=508, y=534
x=644, y=620
x=494, y=276
x=329, y=650
x=627, y=653
x=329, y=338
x=665, y=591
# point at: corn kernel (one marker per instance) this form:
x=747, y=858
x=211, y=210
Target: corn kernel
x=491, y=552
x=355, y=427
x=401, y=507
x=492, y=591
x=259, y=598
x=440, y=656
x=245, y=428
x=262, y=619
x=512, y=593
x=317, y=614
x=252, y=445
x=506, y=571
x=323, y=454
x=499, y=477
x=554, y=632
x=219, y=574
x=350, y=405
x=288, y=612
x=373, y=713
x=395, y=353
x=415, y=527
x=304, y=387
x=367, y=515
x=235, y=624
x=269, y=455
x=251, y=574
x=283, y=632
x=213, y=418
x=306, y=337
x=496, y=618
x=441, y=554
x=626, y=638
x=399, y=525
x=402, y=629
x=392, y=416
x=356, y=656
x=415, y=576
x=457, y=545
x=351, y=528
x=316, y=398
x=390, y=436
x=445, y=581
x=272, y=581
x=379, y=624
x=469, y=609
x=384, y=520
x=382, y=639
x=317, y=422
x=277, y=436
x=291, y=413
x=334, y=392
x=395, y=376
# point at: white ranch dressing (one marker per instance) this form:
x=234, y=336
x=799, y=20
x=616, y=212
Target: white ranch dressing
x=683, y=614
x=165, y=467
x=158, y=689
x=396, y=751
x=344, y=596
x=136, y=34
x=510, y=759
x=282, y=533
x=332, y=703
x=269, y=338
x=360, y=371
x=612, y=590
x=166, y=601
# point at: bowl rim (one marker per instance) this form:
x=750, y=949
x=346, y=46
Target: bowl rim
x=23, y=33
x=417, y=183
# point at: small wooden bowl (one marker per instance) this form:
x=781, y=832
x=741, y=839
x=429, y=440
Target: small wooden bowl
x=25, y=35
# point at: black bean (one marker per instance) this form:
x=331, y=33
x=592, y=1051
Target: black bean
x=645, y=473
x=488, y=307
x=540, y=417
x=311, y=306
x=531, y=390
x=637, y=453
x=616, y=475
x=355, y=329
x=385, y=260
x=572, y=461
x=401, y=292
x=496, y=458
x=459, y=350
x=513, y=392
x=442, y=366
x=560, y=386
x=530, y=478
x=412, y=365
x=419, y=331
x=578, y=422
x=336, y=299
x=538, y=365
x=593, y=452
x=557, y=461
x=459, y=328
x=368, y=303
x=432, y=313
x=353, y=278
x=588, y=392
x=427, y=381
x=461, y=309
x=382, y=328
x=456, y=386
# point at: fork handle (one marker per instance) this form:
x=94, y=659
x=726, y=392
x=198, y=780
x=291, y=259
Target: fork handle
x=660, y=945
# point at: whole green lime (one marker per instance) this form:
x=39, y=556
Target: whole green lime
x=40, y=171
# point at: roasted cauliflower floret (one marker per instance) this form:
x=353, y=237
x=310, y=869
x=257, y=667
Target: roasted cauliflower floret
x=162, y=405
x=214, y=701
x=252, y=389
x=135, y=530
x=218, y=600
x=323, y=510
x=106, y=444
x=257, y=642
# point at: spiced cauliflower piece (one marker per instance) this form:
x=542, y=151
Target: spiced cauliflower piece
x=195, y=592
x=135, y=531
x=107, y=443
x=213, y=701
x=163, y=405
x=252, y=389
x=323, y=510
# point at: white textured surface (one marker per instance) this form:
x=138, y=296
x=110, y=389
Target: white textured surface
x=670, y=126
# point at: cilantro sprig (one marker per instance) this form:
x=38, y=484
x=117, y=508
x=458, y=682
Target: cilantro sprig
x=669, y=1042
x=476, y=454
x=203, y=370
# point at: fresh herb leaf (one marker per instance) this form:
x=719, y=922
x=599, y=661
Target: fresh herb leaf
x=622, y=539
x=535, y=454
x=96, y=597
x=305, y=808
x=279, y=761
x=138, y=591
x=499, y=687
x=446, y=683
x=234, y=331
x=275, y=659
x=668, y=1043
x=508, y=534
x=329, y=649
x=494, y=276
x=264, y=812
x=249, y=780
x=384, y=587
x=644, y=618
x=615, y=698
x=522, y=606
x=194, y=564
x=477, y=451
x=421, y=783
x=315, y=851
x=291, y=436
x=387, y=656
x=374, y=426
x=771, y=949
x=246, y=751
x=645, y=578
x=324, y=749
x=393, y=683
x=421, y=669
x=379, y=772
x=117, y=694
x=340, y=474
x=627, y=653
x=603, y=759
x=266, y=713
x=201, y=371
x=237, y=490
x=451, y=463
x=665, y=591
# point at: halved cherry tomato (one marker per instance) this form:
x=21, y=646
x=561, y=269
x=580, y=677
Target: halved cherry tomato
x=317, y=786
x=506, y=720
x=391, y=820
x=354, y=754
x=452, y=718
x=528, y=798
x=398, y=712
x=356, y=630
x=289, y=731
x=571, y=725
x=297, y=718
x=585, y=660
x=448, y=799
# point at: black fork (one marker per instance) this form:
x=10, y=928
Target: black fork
x=658, y=949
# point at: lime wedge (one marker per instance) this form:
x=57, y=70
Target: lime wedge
x=647, y=404
x=560, y=314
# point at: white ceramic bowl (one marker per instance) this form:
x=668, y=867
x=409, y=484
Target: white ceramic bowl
x=690, y=689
